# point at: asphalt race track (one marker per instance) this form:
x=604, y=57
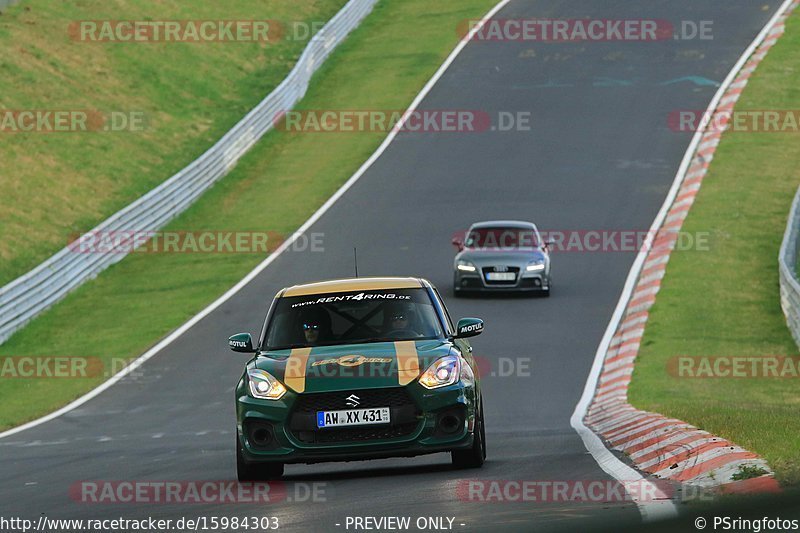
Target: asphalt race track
x=599, y=156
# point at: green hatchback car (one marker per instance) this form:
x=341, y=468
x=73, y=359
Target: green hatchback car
x=356, y=369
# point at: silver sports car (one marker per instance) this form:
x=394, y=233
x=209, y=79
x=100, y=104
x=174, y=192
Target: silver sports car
x=502, y=255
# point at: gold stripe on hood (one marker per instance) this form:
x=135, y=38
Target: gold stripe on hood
x=295, y=376
x=407, y=361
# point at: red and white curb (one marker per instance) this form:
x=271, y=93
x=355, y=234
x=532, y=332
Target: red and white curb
x=664, y=447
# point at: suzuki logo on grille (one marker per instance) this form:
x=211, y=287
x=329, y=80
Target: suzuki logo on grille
x=501, y=269
x=353, y=401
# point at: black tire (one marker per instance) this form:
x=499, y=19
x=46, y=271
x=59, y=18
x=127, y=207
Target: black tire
x=247, y=472
x=475, y=456
x=546, y=293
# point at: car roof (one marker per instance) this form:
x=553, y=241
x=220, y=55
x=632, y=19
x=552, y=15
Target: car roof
x=353, y=284
x=503, y=224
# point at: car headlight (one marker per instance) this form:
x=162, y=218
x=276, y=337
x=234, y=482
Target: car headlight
x=535, y=266
x=465, y=266
x=264, y=386
x=444, y=371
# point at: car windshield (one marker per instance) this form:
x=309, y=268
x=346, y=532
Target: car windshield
x=385, y=315
x=499, y=237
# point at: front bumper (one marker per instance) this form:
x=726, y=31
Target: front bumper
x=475, y=282
x=419, y=432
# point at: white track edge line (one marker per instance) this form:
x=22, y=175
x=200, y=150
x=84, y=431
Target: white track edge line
x=658, y=509
x=264, y=264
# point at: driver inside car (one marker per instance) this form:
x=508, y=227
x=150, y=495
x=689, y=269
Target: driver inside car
x=315, y=326
x=400, y=322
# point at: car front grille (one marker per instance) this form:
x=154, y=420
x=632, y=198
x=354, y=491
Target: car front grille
x=404, y=415
x=368, y=398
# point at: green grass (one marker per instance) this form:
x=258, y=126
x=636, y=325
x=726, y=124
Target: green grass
x=725, y=302
x=277, y=186
x=53, y=185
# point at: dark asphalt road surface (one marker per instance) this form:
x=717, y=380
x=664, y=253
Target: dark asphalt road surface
x=599, y=156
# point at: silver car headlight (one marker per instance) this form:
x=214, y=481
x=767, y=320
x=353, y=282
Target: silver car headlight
x=264, y=385
x=537, y=265
x=466, y=266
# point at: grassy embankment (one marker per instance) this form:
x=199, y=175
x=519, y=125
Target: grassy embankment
x=53, y=185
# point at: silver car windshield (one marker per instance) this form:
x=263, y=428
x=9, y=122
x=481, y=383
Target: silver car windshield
x=499, y=237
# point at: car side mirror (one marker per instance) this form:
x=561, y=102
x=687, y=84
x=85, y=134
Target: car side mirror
x=241, y=342
x=458, y=242
x=468, y=327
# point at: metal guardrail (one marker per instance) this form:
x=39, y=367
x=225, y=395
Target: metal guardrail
x=27, y=296
x=787, y=259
